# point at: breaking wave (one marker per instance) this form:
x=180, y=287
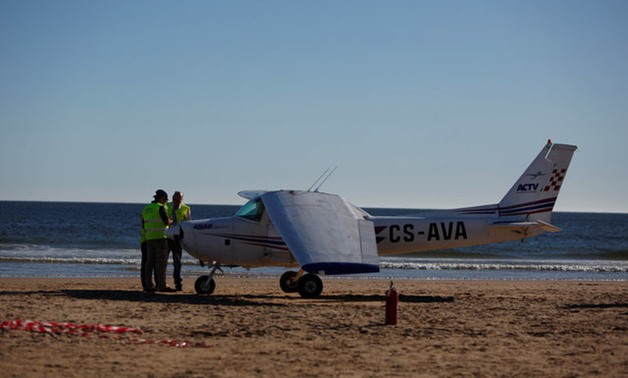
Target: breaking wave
x=554, y=266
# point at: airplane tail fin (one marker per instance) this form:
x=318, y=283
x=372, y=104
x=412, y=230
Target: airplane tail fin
x=534, y=194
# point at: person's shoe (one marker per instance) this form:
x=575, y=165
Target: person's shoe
x=167, y=290
x=150, y=290
x=179, y=288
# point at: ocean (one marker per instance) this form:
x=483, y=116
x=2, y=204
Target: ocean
x=77, y=239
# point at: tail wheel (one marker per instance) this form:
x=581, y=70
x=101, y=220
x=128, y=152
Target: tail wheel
x=203, y=286
x=310, y=286
x=288, y=283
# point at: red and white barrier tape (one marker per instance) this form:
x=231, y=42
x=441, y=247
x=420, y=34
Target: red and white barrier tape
x=64, y=328
x=85, y=330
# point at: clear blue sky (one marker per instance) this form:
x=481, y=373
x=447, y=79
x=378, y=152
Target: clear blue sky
x=420, y=104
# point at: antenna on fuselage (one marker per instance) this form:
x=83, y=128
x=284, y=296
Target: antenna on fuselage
x=318, y=179
x=324, y=178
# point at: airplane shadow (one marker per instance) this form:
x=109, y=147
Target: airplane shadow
x=238, y=300
x=403, y=298
x=32, y=292
x=596, y=305
x=139, y=296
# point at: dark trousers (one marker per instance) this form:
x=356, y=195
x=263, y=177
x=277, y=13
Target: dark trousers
x=144, y=250
x=177, y=251
x=156, y=262
x=143, y=268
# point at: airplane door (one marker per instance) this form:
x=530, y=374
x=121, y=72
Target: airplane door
x=250, y=234
x=256, y=242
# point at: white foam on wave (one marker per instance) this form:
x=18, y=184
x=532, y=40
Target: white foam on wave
x=72, y=260
x=556, y=266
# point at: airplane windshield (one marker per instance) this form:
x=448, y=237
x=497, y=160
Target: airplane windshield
x=253, y=210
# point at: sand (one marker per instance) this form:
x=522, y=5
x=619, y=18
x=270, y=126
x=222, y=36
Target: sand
x=249, y=327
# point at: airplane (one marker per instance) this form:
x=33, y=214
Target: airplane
x=324, y=234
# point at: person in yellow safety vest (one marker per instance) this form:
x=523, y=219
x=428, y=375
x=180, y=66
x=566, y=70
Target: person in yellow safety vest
x=144, y=250
x=178, y=212
x=155, y=222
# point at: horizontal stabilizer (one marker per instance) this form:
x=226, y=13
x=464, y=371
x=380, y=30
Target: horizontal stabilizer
x=526, y=228
x=548, y=227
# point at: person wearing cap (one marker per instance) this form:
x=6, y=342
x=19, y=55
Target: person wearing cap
x=155, y=222
x=178, y=212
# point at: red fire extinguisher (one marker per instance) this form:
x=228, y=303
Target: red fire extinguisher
x=392, y=302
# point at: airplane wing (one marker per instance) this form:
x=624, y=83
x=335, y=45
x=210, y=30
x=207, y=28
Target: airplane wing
x=325, y=233
x=250, y=194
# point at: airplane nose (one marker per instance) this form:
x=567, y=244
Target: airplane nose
x=173, y=231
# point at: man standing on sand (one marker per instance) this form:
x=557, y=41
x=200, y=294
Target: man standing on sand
x=178, y=212
x=155, y=223
x=144, y=251
x=144, y=255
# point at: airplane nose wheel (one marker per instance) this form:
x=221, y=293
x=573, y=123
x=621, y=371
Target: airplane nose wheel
x=310, y=286
x=205, y=284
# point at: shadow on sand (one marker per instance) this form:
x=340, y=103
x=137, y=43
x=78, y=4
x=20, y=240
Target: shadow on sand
x=381, y=298
x=239, y=300
x=139, y=296
x=596, y=305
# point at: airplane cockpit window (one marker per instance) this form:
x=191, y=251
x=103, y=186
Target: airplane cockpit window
x=253, y=210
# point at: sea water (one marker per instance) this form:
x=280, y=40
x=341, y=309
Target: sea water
x=76, y=239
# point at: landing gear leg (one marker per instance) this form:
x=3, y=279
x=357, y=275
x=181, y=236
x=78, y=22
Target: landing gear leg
x=206, y=284
x=289, y=279
x=307, y=285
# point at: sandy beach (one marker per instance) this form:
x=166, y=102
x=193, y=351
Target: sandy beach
x=251, y=328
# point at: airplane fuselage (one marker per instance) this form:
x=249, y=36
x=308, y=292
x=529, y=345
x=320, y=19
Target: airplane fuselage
x=397, y=235
x=250, y=243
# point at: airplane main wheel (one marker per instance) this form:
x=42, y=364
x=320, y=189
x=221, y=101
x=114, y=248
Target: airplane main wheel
x=287, y=282
x=310, y=286
x=203, y=287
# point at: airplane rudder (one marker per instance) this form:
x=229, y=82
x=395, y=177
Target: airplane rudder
x=560, y=155
x=535, y=192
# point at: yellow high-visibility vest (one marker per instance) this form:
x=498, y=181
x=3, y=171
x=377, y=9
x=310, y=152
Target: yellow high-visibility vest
x=154, y=226
x=182, y=212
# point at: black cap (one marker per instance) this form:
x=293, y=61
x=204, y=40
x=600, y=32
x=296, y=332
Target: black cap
x=160, y=193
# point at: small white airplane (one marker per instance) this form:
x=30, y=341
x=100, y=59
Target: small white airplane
x=323, y=234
